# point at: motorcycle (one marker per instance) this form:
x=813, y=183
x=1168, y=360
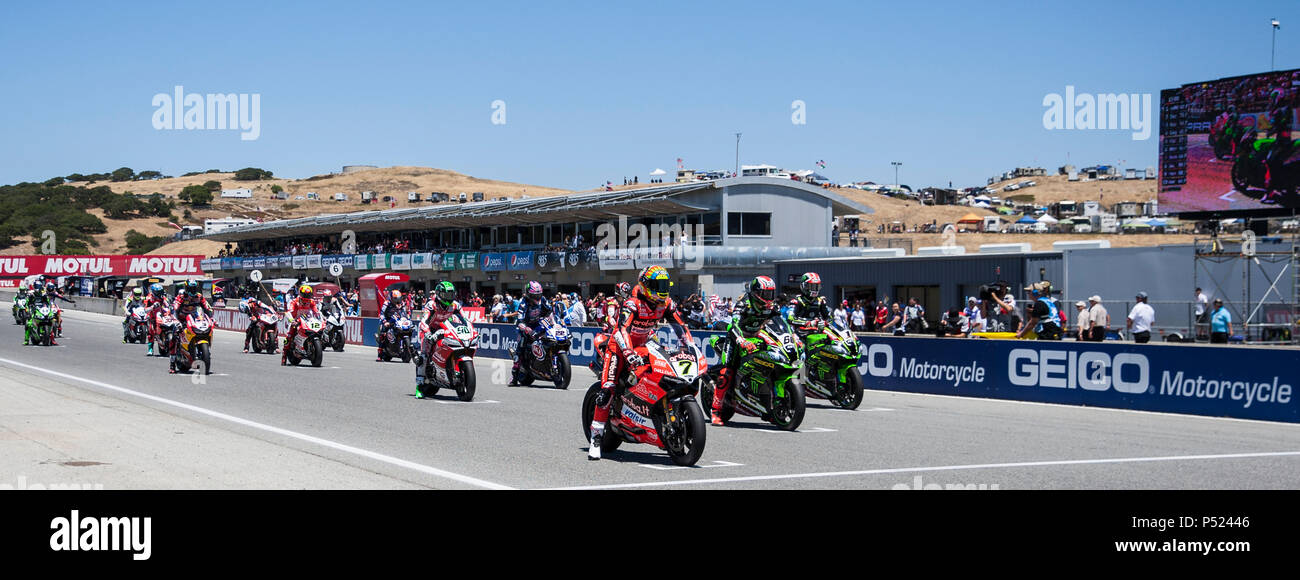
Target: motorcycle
x=40, y=324
x=136, y=326
x=195, y=344
x=334, y=330
x=266, y=332
x=761, y=386
x=655, y=404
x=20, y=310
x=1250, y=168
x=397, y=340
x=169, y=330
x=308, y=342
x=548, y=357
x=830, y=366
x=1224, y=139
x=451, y=361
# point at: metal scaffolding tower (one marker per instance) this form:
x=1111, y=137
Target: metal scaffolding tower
x=1265, y=315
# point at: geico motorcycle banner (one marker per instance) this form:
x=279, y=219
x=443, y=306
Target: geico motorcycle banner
x=102, y=265
x=233, y=319
x=1248, y=383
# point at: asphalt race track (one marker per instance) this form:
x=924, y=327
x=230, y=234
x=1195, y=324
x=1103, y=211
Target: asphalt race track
x=95, y=411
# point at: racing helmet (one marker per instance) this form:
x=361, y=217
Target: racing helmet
x=156, y=289
x=534, y=291
x=192, y=288
x=137, y=292
x=445, y=293
x=623, y=290
x=810, y=285
x=395, y=294
x=654, y=283
x=305, y=291
x=762, y=294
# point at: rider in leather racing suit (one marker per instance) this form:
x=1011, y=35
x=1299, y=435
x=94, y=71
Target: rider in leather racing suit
x=135, y=300
x=753, y=310
x=436, y=311
x=534, y=309
x=642, y=313
x=299, y=306
x=809, y=307
x=156, y=302
x=394, y=307
x=254, y=308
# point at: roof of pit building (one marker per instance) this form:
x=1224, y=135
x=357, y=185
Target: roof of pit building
x=647, y=202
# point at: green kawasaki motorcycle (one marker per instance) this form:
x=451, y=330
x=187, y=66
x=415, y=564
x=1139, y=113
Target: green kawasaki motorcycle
x=762, y=386
x=830, y=366
x=40, y=325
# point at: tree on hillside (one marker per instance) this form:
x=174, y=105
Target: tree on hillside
x=76, y=177
x=276, y=188
x=138, y=243
x=252, y=174
x=212, y=185
x=123, y=174
x=149, y=175
x=53, y=181
x=200, y=196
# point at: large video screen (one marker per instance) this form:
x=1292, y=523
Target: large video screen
x=1227, y=144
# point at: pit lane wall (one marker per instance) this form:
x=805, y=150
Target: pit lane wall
x=1241, y=382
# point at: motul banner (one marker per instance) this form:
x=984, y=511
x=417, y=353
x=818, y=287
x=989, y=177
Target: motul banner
x=102, y=265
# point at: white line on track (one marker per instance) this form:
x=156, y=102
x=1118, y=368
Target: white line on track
x=272, y=429
x=488, y=401
x=938, y=468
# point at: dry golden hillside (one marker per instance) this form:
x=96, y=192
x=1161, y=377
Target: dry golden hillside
x=388, y=181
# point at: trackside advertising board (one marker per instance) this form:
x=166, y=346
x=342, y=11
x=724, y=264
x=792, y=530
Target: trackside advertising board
x=1241, y=382
x=102, y=265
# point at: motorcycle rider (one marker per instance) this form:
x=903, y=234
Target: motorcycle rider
x=612, y=306
x=40, y=297
x=52, y=290
x=254, y=308
x=534, y=309
x=436, y=311
x=302, y=304
x=155, y=301
x=809, y=307
x=1280, y=116
x=753, y=310
x=189, y=299
x=647, y=307
x=135, y=300
x=394, y=307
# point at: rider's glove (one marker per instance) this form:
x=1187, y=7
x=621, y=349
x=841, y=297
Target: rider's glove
x=634, y=360
x=749, y=346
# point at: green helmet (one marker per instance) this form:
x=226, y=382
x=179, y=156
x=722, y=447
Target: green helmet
x=445, y=293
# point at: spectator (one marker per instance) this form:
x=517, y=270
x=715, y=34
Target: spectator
x=914, y=317
x=1220, y=323
x=894, y=323
x=1098, y=320
x=882, y=312
x=841, y=314
x=953, y=325
x=853, y=238
x=1083, y=329
x=1140, y=319
x=835, y=235
x=974, y=316
x=1201, y=303
x=1043, y=314
x=859, y=319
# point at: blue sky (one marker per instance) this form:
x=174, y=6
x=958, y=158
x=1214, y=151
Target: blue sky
x=603, y=90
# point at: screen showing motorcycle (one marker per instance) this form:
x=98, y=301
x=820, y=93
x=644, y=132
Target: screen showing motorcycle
x=1227, y=145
